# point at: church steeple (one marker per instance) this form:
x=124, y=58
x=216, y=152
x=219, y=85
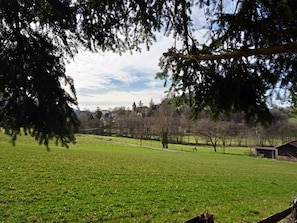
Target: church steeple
x=134, y=107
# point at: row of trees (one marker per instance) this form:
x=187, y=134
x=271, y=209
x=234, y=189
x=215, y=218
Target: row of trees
x=249, y=56
x=169, y=124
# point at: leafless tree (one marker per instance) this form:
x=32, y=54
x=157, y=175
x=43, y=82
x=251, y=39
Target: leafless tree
x=212, y=130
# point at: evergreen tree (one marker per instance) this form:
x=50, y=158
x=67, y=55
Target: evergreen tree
x=36, y=39
x=251, y=53
x=249, y=59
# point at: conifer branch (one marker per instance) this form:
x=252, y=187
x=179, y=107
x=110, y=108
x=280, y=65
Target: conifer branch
x=276, y=49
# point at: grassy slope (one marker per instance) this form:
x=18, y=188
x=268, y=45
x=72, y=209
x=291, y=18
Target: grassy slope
x=99, y=180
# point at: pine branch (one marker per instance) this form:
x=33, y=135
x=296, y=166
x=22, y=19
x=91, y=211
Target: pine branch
x=277, y=49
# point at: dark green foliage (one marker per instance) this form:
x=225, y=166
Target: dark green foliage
x=32, y=39
x=238, y=84
x=37, y=37
x=164, y=138
x=31, y=93
x=98, y=113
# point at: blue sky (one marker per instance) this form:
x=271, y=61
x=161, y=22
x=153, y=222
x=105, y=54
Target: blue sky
x=108, y=80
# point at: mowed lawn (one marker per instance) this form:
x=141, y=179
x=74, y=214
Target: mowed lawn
x=100, y=180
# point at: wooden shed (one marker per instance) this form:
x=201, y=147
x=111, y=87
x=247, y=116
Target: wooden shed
x=287, y=151
x=267, y=152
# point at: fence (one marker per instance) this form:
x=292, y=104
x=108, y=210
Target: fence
x=292, y=211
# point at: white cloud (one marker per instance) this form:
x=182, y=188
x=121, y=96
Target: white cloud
x=112, y=99
x=108, y=80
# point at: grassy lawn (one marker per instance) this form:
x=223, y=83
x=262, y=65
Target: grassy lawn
x=180, y=147
x=104, y=180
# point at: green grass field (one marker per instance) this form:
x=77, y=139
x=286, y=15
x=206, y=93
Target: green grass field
x=105, y=180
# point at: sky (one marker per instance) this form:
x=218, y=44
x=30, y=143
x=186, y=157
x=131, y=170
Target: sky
x=108, y=80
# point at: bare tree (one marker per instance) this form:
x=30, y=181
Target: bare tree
x=213, y=131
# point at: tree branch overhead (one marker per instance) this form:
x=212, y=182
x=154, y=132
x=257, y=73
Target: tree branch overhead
x=277, y=49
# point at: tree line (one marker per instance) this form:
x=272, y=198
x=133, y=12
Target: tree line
x=171, y=124
x=248, y=58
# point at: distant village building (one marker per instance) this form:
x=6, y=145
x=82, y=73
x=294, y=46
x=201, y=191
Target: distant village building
x=287, y=151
